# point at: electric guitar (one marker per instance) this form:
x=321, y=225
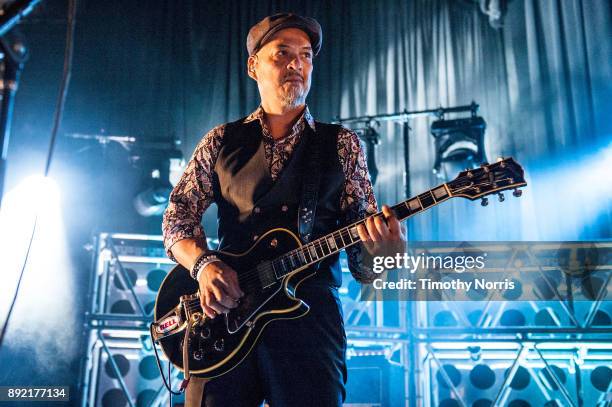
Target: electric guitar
x=271, y=270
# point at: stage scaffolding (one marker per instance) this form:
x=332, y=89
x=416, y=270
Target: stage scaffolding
x=489, y=351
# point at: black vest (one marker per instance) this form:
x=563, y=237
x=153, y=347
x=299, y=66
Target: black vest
x=251, y=203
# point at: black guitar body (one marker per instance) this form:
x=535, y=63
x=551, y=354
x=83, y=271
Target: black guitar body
x=218, y=345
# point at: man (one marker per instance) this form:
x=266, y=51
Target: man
x=254, y=170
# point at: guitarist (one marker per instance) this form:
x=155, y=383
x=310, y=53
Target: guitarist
x=253, y=169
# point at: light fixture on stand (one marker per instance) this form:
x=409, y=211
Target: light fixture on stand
x=158, y=161
x=459, y=144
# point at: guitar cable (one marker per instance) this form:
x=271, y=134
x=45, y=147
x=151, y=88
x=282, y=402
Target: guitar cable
x=57, y=118
x=161, y=369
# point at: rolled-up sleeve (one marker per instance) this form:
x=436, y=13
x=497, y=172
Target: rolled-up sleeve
x=193, y=194
x=357, y=200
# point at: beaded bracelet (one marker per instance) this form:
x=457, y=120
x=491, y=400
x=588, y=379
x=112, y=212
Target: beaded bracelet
x=202, y=260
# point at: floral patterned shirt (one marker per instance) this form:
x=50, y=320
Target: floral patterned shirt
x=193, y=194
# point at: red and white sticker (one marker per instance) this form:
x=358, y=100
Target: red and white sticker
x=167, y=324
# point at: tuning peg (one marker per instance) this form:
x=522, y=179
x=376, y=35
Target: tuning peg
x=484, y=202
x=501, y=197
x=517, y=192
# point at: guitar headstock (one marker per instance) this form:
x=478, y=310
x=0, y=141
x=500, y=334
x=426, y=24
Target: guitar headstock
x=489, y=179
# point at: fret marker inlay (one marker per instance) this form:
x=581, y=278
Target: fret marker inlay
x=414, y=204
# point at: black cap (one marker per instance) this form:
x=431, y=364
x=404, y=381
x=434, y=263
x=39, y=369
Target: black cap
x=261, y=32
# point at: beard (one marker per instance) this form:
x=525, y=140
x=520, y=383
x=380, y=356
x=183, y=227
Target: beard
x=293, y=94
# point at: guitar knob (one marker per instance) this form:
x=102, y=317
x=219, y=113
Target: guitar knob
x=484, y=202
x=219, y=345
x=198, y=355
x=205, y=332
x=501, y=197
x=517, y=193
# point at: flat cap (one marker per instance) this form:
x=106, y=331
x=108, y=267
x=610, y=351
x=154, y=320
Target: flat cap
x=263, y=31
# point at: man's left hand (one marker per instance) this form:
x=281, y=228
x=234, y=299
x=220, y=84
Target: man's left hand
x=376, y=230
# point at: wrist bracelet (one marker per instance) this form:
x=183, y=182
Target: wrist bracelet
x=211, y=259
x=202, y=260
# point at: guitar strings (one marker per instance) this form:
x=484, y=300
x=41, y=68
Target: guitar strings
x=344, y=234
x=253, y=275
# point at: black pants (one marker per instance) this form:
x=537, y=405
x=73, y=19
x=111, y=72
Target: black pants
x=299, y=362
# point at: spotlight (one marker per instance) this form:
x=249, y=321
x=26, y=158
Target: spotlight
x=459, y=145
x=159, y=174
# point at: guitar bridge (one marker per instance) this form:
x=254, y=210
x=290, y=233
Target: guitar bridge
x=191, y=305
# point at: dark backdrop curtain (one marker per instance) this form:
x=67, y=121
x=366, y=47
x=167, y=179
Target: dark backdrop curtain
x=167, y=69
x=543, y=83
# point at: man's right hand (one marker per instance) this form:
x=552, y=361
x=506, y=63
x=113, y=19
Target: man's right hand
x=219, y=289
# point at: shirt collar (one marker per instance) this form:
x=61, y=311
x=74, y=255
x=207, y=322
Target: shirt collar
x=259, y=113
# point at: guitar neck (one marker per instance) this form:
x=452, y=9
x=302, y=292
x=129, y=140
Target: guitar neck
x=332, y=243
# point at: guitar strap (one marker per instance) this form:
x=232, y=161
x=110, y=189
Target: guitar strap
x=312, y=178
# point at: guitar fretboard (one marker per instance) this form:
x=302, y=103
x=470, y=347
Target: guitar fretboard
x=332, y=243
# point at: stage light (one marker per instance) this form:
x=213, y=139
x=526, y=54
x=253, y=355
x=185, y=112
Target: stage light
x=569, y=196
x=36, y=197
x=153, y=200
x=46, y=297
x=459, y=144
x=161, y=170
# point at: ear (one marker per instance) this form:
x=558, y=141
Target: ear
x=251, y=62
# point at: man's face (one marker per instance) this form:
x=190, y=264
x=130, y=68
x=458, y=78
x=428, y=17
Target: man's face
x=283, y=68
